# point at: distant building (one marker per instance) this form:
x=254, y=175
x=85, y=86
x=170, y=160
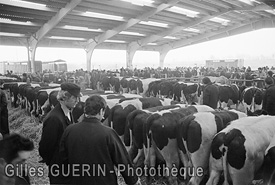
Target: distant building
x=225, y=63
x=18, y=67
x=55, y=66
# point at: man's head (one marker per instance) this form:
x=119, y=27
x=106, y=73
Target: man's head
x=15, y=148
x=269, y=81
x=206, y=81
x=95, y=105
x=69, y=94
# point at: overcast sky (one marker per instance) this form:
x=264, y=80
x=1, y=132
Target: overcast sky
x=253, y=45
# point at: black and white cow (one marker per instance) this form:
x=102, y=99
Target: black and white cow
x=195, y=137
x=269, y=164
x=238, y=150
x=110, y=83
x=229, y=93
x=162, y=134
x=252, y=98
x=153, y=88
x=166, y=88
x=135, y=130
x=42, y=97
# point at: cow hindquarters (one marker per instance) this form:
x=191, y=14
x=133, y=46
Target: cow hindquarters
x=215, y=168
x=171, y=157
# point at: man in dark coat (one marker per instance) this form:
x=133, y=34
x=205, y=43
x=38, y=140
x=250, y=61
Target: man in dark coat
x=269, y=96
x=53, y=127
x=4, y=123
x=210, y=93
x=92, y=150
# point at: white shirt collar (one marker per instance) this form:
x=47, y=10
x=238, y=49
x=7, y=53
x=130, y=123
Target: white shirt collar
x=65, y=110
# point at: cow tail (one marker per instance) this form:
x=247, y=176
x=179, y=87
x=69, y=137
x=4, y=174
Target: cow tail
x=111, y=117
x=128, y=136
x=252, y=107
x=148, y=124
x=224, y=165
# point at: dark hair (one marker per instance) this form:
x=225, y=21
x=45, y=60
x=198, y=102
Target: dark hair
x=12, y=144
x=269, y=81
x=93, y=105
x=270, y=73
x=206, y=80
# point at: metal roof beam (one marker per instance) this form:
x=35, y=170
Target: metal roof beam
x=153, y=38
x=254, y=8
x=53, y=22
x=110, y=33
x=233, y=30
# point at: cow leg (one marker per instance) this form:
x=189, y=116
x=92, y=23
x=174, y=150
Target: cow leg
x=150, y=162
x=27, y=103
x=139, y=158
x=215, y=167
x=139, y=154
x=199, y=160
x=33, y=108
x=243, y=176
x=184, y=159
x=171, y=157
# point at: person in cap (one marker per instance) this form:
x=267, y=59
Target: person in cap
x=269, y=96
x=4, y=123
x=54, y=125
x=210, y=93
x=90, y=146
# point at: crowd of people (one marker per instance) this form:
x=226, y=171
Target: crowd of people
x=99, y=146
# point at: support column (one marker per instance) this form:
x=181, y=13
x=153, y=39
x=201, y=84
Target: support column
x=32, y=44
x=89, y=52
x=130, y=52
x=163, y=52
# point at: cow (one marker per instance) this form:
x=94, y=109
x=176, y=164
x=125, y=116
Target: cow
x=153, y=88
x=178, y=91
x=193, y=93
x=135, y=130
x=132, y=85
x=25, y=91
x=252, y=98
x=124, y=84
x=114, y=84
x=42, y=98
x=162, y=135
x=110, y=83
x=119, y=113
x=228, y=93
x=239, y=149
x=145, y=86
x=269, y=164
x=14, y=92
x=188, y=92
x=166, y=89
x=195, y=135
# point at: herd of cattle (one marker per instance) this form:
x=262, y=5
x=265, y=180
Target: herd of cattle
x=165, y=122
